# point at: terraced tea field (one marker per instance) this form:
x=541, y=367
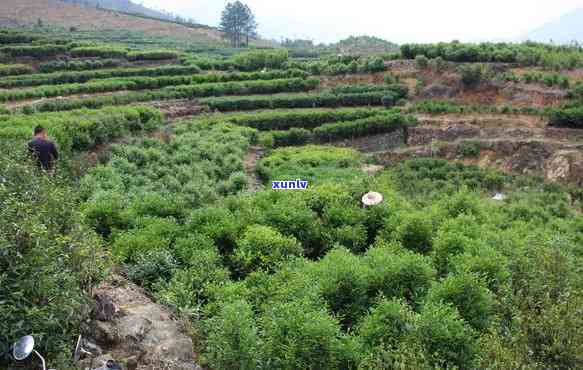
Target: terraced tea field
x=165, y=177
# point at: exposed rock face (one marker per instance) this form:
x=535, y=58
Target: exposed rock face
x=533, y=94
x=375, y=143
x=565, y=166
x=438, y=90
x=136, y=332
x=423, y=135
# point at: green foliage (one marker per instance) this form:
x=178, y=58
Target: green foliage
x=14, y=69
x=362, y=127
x=152, y=55
x=233, y=340
x=447, y=340
x=262, y=247
x=77, y=65
x=472, y=74
x=421, y=61
x=299, y=336
x=294, y=101
x=566, y=117
x=469, y=295
x=386, y=325
x=292, y=163
x=261, y=59
x=151, y=267
x=42, y=51
x=399, y=274
x=527, y=54
x=46, y=256
x=86, y=76
x=82, y=129
x=99, y=51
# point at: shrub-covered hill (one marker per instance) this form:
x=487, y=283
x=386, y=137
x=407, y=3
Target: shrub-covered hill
x=438, y=275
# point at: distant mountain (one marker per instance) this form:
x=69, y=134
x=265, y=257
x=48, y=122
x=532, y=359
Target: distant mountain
x=125, y=6
x=567, y=28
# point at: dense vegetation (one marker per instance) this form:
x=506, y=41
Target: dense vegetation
x=526, y=54
x=439, y=275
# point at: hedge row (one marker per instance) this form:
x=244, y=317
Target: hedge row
x=400, y=91
x=246, y=88
x=301, y=118
x=294, y=101
x=362, y=127
x=78, y=65
x=188, y=91
x=152, y=55
x=99, y=51
x=85, y=76
x=440, y=106
x=567, y=117
x=14, y=69
x=172, y=75
x=41, y=51
x=528, y=53
x=83, y=129
x=16, y=38
x=377, y=124
x=181, y=92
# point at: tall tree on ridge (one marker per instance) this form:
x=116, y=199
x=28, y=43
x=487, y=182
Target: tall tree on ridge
x=238, y=21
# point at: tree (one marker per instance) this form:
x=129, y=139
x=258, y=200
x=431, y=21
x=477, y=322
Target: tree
x=238, y=21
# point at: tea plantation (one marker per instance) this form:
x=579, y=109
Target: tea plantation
x=154, y=182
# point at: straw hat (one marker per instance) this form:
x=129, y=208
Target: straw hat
x=372, y=198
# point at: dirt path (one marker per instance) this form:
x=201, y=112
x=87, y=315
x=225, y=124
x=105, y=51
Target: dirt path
x=131, y=329
x=253, y=156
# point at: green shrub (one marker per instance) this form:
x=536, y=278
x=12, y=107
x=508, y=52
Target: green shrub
x=42, y=51
x=151, y=267
x=447, y=340
x=152, y=55
x=299, y=336
x=469, y=295
x=343, y=281
x=414, y=231
x=262, y=247
x=190, y=288
x=99, y=51
x=14, y=69
x=472, y=74
x=260, y=59
x=421, y=61
x=46, y=256
x=233, y=340
x=77, y=65
x=388, y=322
x=398, y=274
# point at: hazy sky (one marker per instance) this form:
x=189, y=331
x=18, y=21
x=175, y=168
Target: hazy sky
x=399, y=21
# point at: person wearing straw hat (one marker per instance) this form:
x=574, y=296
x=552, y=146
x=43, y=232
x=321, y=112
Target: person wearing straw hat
x=371, y=199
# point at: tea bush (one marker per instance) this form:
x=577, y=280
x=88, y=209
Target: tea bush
x=294, y=101
x=469, y=295
x=46, y=254
x=262, y=247
x=40, y=52
x=78, y=65
x=14, y=69
x=152, y=55
x=83, y=129
x=99, y=51
x=387, y=323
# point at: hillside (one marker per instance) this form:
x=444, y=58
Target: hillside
x=58, y=13
x=564, y=30
x=125, y=6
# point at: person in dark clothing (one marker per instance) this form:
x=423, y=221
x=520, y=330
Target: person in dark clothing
x=43, y=150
